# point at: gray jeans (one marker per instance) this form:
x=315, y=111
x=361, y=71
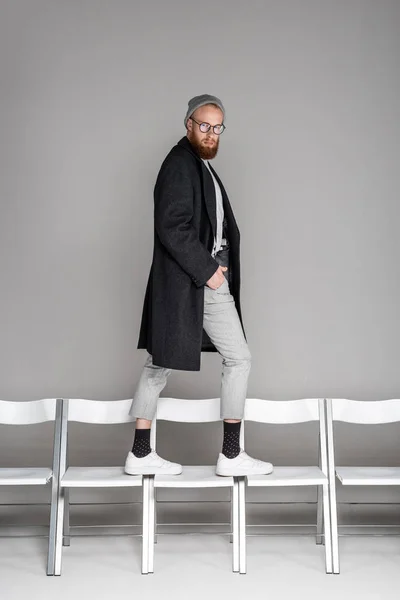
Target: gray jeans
x=221, y=323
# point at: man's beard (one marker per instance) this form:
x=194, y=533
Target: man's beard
x=205, y=151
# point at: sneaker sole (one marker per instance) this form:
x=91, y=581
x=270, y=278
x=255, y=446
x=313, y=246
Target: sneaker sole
x=152, y=471
x=241, y=472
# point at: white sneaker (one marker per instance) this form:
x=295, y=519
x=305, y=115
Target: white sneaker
x=242, y=464
x=152, y=464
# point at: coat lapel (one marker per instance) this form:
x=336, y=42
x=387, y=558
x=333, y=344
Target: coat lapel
x=209, y=193
x=228, y=212
x=209, y=197
x=208, y=185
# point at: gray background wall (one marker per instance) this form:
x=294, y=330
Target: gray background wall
x=93, y=95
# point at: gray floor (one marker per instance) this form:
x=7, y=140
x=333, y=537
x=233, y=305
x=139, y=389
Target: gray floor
x=199, y=566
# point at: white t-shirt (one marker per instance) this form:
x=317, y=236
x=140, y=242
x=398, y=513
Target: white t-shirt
x=219, y=211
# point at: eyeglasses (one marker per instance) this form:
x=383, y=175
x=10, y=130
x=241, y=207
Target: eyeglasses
x=204, y=127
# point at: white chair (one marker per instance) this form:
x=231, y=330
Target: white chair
x=298, y=411
x=31, y=413
x=95, y=412
x=201, y=477
x=359, y=412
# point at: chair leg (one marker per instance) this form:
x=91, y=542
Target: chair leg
x=151, y=524
x=242, y=524
x=320, y=518
x=55, y=488
x=52, y=528
x=231, y=509
x=59, y=532
x=235, y=524
x=155, y=515
x=145, y=524
x=334, y=528
x=327, y=529
x=66, y=535
x=332, y=487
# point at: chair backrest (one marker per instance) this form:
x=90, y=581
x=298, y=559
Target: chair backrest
x=180, y=410
x=97, y=411
x=28, y=413
x=363, y=412
x=264, y=411
x=188, y=411
x=283, y=411
x=33, y=412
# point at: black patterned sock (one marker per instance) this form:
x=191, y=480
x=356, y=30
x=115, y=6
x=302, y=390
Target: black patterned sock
x=141, y=443
x=231, y=446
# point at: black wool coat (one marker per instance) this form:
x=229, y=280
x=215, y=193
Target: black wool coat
x=185, y=224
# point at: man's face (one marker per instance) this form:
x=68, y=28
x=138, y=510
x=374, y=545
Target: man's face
x=206, y=143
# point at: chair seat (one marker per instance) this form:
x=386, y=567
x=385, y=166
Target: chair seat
x=99, y=477
x=194, y=477
x=26, y=476
x=368, y=475
x=289, y=476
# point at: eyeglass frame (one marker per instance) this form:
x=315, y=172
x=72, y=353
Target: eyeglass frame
x=210, y=126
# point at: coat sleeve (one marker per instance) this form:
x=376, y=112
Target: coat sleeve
x=173, y=211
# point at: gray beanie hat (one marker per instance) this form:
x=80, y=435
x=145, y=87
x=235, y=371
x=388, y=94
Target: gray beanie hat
x=198, y=101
